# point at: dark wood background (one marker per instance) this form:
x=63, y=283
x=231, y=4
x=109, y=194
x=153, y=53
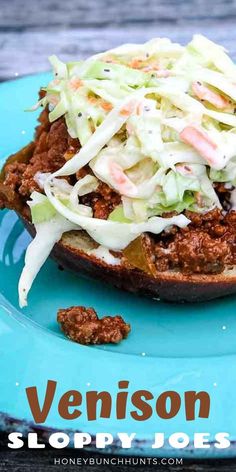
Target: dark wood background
x=30, y=30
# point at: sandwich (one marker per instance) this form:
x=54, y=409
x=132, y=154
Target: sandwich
x=131, y=174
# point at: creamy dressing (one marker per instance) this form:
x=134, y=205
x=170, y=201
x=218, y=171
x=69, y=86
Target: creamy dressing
x=111, y=234
x=40, y=178
x=48, y=234
x=104, y=254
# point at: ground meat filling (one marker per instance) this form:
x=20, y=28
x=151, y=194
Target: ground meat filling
x=207, y=245
x=83, y=326
x=53, y=147
x=50, y=145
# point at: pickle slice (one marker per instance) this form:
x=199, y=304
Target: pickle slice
x=140, y=254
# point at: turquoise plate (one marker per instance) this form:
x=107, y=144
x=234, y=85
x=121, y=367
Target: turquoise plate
x=171, y=347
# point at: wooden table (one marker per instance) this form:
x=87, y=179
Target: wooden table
x=30, y=30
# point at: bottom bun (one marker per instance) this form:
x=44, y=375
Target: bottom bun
x=73, y=252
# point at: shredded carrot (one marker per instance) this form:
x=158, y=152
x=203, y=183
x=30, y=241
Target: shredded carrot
x=75, y=83
x=129, y=108
x=159, y=72
x=204, y=93
x=93, y=100
x=201, y=141
x=135, y=63
x=122, y=182
x=126, y=111
x=106, y=105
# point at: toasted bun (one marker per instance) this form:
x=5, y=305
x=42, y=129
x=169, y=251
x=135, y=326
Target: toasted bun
x=72, y=252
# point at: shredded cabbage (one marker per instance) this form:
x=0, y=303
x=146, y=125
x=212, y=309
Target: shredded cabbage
x=47, y=234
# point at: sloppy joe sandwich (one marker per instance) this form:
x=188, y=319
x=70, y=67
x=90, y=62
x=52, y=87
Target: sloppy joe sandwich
x=131, y=175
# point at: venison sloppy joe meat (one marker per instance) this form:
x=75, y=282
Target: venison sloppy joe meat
x=83, y=326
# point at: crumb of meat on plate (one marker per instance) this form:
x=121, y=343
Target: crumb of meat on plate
x=83, y=326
